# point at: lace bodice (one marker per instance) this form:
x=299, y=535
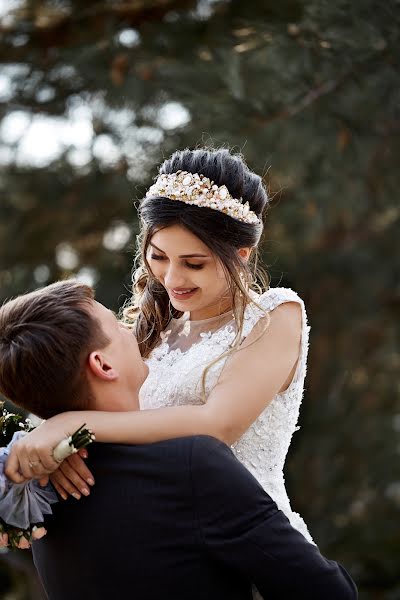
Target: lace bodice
x=176, y=366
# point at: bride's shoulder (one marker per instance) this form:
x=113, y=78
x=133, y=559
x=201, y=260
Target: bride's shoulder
x=269, y=300
x=272, y=297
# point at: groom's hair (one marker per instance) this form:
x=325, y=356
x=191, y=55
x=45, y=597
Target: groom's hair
x=45, y=339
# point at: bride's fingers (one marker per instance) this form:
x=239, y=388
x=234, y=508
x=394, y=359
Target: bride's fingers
x=13, y=469
x=83, y=452
x=28, y=462
x=78, y=465
x=47, y=460
x=68, y=469
x=64, y=486
x=39, y=459
x=59, y=482
x=31, y=466
x=29, y=469
x=35, y=465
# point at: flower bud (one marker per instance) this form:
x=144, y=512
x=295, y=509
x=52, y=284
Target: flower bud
x=23, y=543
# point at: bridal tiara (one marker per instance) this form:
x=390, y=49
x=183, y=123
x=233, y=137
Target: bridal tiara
x=198, y=190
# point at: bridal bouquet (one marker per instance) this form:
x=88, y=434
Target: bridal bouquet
x=23, y=505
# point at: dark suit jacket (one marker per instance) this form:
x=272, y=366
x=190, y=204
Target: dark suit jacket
x=180, y=519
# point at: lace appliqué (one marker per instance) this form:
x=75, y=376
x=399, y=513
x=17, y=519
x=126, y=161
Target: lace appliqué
x=175, y=379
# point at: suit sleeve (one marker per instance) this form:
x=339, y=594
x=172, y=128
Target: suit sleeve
x=241, y=526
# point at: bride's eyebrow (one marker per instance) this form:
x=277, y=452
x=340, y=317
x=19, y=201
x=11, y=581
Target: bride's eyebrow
x=156, y=248
x=195, y=255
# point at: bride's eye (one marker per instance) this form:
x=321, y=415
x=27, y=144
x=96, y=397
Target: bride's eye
x=190, y=265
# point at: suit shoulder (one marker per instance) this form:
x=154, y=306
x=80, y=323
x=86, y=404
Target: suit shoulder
x=173, y=449
x=207, y=448
x=222, y=485
x=213, y=460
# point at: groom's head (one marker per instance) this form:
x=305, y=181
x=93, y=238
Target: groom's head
x=61, y=350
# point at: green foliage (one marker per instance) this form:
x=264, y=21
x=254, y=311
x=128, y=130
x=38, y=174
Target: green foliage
x=10, y=423
x=308, y=91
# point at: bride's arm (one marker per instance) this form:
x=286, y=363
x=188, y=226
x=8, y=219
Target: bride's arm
x=249, y=381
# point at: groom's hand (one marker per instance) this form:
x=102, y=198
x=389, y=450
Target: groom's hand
x=73, y=477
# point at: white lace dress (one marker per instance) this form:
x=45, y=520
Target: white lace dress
x=176, y=368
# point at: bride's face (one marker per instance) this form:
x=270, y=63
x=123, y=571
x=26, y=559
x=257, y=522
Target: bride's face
x=192, y=275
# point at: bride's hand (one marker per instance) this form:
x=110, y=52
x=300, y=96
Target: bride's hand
x=72, y=477
x=31, y=457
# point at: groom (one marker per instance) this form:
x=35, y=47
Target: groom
x=180, y=519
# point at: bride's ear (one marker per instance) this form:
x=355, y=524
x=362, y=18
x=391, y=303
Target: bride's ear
x=100, y=367
x=244, y=253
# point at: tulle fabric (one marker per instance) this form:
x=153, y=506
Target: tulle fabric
x=23, y=504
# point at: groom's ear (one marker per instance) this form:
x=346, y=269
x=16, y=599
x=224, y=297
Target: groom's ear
x=101, y=367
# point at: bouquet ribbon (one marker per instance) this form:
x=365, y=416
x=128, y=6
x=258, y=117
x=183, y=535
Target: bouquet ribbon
x=22, y=504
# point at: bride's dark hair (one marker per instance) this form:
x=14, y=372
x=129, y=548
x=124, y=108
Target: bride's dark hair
x=150, y=309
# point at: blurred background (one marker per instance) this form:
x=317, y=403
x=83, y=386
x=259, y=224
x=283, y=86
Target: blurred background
x=95, y=94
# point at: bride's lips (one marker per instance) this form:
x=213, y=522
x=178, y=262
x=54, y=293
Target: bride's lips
x=183, y=294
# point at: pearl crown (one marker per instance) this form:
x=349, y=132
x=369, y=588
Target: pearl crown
x=198, y=190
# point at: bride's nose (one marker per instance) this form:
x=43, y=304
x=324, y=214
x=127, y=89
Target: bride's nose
x=174, y=277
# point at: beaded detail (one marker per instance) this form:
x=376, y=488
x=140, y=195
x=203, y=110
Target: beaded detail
x=175, y=379
x=198, y=190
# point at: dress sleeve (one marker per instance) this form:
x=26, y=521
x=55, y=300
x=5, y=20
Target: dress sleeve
x=241, y=527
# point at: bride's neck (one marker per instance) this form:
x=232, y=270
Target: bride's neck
x=213, y=310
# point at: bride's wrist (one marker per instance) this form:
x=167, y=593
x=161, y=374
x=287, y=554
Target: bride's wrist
x=69, y=421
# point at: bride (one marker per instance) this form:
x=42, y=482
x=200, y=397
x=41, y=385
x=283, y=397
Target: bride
x=227, y=358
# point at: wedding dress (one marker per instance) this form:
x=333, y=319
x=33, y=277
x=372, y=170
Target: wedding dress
x=176, y=366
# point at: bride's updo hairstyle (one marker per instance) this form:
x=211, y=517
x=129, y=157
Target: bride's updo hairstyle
x=150, y=308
